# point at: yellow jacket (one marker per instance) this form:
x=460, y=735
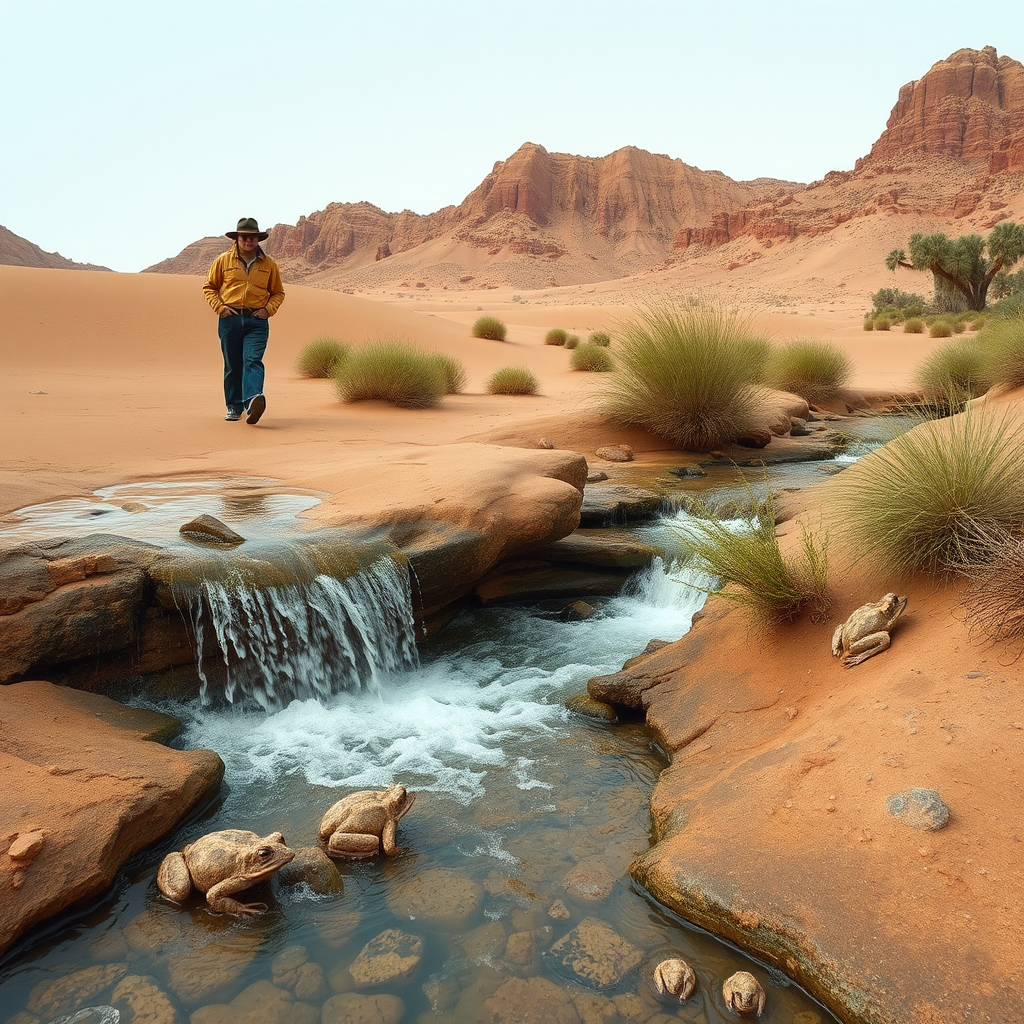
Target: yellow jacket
x=230, y=284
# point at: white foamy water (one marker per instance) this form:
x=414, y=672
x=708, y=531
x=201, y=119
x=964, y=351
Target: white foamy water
x=493, y=687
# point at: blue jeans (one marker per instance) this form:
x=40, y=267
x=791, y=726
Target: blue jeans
x=243, y=340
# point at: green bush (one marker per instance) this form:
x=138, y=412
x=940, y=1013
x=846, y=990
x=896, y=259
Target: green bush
x=556, y=336
x=954, y=373
x=940, y=329
x=591, y=357
x=815, y=370
x=511, y=380
x=572, y=341
x=455, y=375
x=320, y=357
x=921, y=502
x=489, y=327
x=869, y=323
x=913, y=326
x=882, y=323
x=893, y=298
x=1002, y=340
x=769, y=585
x=687, y=374
x=601, y=338
x=391, y=370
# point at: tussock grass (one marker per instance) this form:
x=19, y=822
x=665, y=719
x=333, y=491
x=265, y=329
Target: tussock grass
x=591, y=357
x=815, y=370
x=601, y=338
x=455, y=375
x=920, y=503
x=556, y=336
x=940, y=329
x=753, y=571
x=686, y=374
x=1002, y=339
x=915, y=325
x=391, y=370
x=512, y=380
x=572, y=341
x=954, y=374
x=320, y=357
x=882, y=323
x=489, y=327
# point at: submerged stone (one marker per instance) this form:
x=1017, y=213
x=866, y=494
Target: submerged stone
x=594, y=955
x=210, y=528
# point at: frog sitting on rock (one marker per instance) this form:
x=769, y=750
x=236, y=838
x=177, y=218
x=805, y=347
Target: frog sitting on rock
x=363, y=824
x=222, y=863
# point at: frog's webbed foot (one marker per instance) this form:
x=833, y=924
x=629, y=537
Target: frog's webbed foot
x=226, y=905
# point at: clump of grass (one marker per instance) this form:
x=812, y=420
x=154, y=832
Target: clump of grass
x=601, y=338
x=572, y=341
x=915, y=325
x=687, y=374
x=920, y=503
x=882, y=323
x=940, y=329
x=954, y=373
x=512, y=380
x=489, y=327
x=591, y=357
x=391, y=370
x=320, y=357
x=869, y=323
x=750, y=566
x=556, y=336
x=455, y=375
x=815, y=370
x=1002, y=339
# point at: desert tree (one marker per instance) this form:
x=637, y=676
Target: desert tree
x=965, y=265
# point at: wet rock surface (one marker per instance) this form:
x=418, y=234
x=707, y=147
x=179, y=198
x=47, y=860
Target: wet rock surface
x=594, y=955
x=392, y=956
x=437, y=896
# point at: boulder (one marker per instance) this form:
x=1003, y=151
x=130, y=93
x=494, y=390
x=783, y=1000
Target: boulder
x=531, y=1001
x=210, y=529
x=84, y=770
x=594, y=955
x=618, y=504
x=390, y=957
x=615, y=453
x=352, y=1008
x=260, y=1003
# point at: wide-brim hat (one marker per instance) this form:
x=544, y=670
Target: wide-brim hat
x=247, y=226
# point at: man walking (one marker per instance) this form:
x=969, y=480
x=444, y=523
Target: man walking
x=244, y=289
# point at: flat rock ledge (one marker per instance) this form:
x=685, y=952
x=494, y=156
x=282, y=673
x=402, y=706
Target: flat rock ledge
x=87, y=781
x=772, y=828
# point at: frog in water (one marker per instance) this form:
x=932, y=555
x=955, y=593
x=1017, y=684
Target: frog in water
x=363, y=824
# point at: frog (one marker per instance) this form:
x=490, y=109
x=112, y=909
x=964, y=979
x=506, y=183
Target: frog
x=675, y=978
x=363, y=824
x=743, y=993
x=866, y=632
x=222, y=863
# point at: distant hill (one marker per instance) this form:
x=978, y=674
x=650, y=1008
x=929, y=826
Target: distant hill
x=16, y=251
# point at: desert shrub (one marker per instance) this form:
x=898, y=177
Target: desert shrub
x=959, y=325
x=489, y=327
x=749, y=564
x=882, y=323
x=815, y=370
x=954, y=374
x=591, y=357
x=556, y=336
x=572, y=341
x=921, y=502
x=1002, y=340
x=913, y=310
x=869, y=323
x=320, y=356
x=391, y=370
x=687, y=374
x=940, y=329
x=913, y=325
x=893, y=298
x=455, y=375
x=511, y=380
x=602, y=338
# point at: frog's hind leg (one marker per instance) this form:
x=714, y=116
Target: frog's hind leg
x=866, y=647
x=173, y=879
x=221, y=903
x=353, y=844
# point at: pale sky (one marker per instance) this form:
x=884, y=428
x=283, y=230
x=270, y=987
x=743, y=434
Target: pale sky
x=133, y=127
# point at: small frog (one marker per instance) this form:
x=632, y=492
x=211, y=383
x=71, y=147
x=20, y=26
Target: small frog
x=675, y=978
x=362, y=824
x=743, y=993
x=222, y=863
x=866, y=631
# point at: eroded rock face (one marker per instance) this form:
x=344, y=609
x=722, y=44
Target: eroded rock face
x=98, y=801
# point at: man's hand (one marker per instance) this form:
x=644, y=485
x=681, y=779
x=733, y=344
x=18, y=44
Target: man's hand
x=227, y=311
x=262, y=314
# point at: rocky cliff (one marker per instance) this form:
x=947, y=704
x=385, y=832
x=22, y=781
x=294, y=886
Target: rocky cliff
x=16, y=251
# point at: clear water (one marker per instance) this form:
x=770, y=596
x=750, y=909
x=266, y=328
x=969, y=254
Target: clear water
x=513, y=793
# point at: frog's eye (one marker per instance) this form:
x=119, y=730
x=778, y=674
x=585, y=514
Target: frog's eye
x=264, y=853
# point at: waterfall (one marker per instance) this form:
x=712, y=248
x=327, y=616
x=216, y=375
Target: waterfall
x=302, y=639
